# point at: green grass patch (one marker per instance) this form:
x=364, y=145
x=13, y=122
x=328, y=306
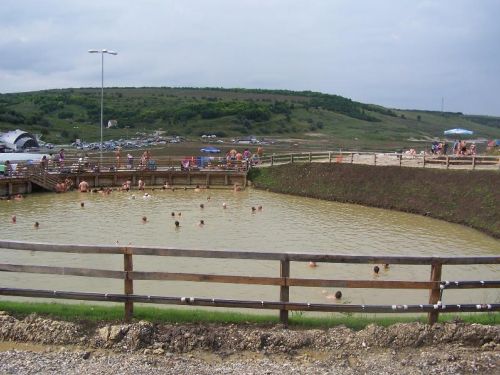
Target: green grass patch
x=97, y=313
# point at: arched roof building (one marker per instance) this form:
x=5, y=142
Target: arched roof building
x=18, y=140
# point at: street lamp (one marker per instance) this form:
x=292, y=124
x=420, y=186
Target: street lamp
x=102, y=52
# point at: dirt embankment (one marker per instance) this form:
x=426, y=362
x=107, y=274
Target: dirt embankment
x=402, y=348
x=470, y=198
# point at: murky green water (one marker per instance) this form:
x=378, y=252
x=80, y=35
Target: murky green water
x=285, y=224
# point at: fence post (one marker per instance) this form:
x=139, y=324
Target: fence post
x=128, y=266
x=400, y=157
x=272, y=159
x=329, y=156
x=291, y=158
x=473, y=162
x=447, y=162
x=374, y=159
x=435, y=292
x=352, y=157
x=424, y=160
x=284, y=289
x=310, y=157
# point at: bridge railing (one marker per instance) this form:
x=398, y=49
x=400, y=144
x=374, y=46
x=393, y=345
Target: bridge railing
x=23, y=169
x=433, y=306
x=374, y=158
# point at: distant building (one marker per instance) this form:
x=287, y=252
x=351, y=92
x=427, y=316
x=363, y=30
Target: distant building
x=18, y=140
x=112, y=124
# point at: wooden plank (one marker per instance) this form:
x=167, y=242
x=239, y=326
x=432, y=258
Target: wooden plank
x=284, y=290
x=379, y=284
x=172, y=276
x=66, y=271
x=128, y=283
x=256, y=255
x=435, y=292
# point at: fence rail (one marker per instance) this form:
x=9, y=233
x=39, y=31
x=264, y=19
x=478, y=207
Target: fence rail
x=395, y=159
x=435, y=285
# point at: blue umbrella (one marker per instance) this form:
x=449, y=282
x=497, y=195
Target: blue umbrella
x=210, y=150
x=458, y=131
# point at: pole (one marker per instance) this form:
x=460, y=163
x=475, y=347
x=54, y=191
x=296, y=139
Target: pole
x=102, y=103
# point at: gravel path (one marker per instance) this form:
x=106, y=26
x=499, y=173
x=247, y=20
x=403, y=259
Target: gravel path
x=447, y=360
x=37, y=345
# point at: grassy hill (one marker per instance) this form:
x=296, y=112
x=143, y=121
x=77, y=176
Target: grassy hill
x=64, y=115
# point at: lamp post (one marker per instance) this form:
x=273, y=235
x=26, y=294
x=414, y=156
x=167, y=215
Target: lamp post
x=102, y=52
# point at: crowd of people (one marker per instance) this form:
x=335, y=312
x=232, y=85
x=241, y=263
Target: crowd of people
x=460, y=148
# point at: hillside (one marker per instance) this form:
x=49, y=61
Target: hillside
x=63, y=115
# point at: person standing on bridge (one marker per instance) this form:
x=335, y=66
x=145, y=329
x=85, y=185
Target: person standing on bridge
x=61, y=158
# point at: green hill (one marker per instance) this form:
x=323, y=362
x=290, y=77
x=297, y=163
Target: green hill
x=63, y=115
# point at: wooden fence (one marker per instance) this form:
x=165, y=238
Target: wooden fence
x=284, y=281
x=396, y=159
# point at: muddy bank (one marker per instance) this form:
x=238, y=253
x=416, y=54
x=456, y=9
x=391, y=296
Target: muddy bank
x=469, y=198
x=145, y=347
x=148, y=337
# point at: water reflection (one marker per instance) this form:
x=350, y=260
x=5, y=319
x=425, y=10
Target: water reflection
x=285, y=223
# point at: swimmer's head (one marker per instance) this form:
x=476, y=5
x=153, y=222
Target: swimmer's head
x=144, y=219
x=376, y=269
x=177, y=224
x=37, y=224
x=202, y=222
x=224, y=205
x=14, y=219
x=338, y=294
x=202, y=205
x=82, y=204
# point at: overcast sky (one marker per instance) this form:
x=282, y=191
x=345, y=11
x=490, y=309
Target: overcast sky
x=398, y=53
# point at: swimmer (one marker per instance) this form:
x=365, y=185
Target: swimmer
x=224, y=205
x=173, y=214
x=376, y=270
x=202, y=223
x=179, y=214
x=259, y=207
x=338, y=294
x=14, y=219
x=82, y=204
x=197, y=188
x=253, y=210
x=140, y=184
x=132, y=196
x=386, y=266
x=177, y=224
x=147, y=196
x=144, y=219
x=37, y=225
x=312, y=264
x=202, y=206
x=208, y=198
x=83, y=186
x=18, y=197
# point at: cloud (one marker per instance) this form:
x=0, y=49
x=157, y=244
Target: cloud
x=398, y=53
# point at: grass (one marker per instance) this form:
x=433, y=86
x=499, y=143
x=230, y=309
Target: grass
x=97, y=313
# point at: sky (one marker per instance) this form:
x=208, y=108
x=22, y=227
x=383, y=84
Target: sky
x=407, y=54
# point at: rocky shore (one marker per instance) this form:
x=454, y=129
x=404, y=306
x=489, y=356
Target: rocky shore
x=36, y=344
